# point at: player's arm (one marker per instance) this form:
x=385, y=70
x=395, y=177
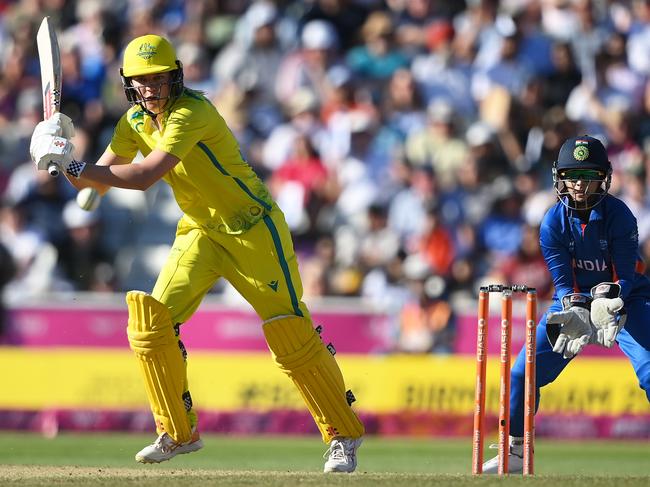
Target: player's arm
x=184, y=129
x=569, y=330
x=138, y=176
x=608, y=308
x=49, y=145
x=624, y=247
x=108, y=158
x=556, y=254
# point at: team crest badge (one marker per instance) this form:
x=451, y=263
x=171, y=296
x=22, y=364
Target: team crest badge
x=137, y=121
x=147, y=51
x=581, y=153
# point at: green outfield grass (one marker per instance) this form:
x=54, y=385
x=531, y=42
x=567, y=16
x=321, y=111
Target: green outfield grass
x=107, y=460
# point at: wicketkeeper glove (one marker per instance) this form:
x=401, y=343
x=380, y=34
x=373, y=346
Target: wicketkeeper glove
x=607, y=313
x=570, y=330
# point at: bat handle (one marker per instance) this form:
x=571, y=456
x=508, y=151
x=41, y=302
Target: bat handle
x=53, y=169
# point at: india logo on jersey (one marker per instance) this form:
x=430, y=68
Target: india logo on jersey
x=598, y=265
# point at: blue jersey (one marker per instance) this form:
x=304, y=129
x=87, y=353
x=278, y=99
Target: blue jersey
x=605, y=249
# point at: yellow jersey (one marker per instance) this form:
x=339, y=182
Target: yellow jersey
x=212, y=183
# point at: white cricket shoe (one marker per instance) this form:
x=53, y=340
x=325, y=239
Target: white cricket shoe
x=515, y=459
x=342, y=455
x=165, y=448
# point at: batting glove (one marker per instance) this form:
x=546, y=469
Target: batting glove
x=570, y=330
x=58, y=124
x=50, y=149
x=64, y=123
x=607, y=312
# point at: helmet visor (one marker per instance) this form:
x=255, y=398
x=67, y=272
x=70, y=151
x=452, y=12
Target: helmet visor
x=582, y=174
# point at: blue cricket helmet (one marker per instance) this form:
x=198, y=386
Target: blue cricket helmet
x=583, y=152
x=582, y=158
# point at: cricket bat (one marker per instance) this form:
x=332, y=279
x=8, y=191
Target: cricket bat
x=50, y=61
x=49, y=58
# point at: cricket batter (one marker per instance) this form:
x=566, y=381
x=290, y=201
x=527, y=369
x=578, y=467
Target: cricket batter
x=590, y=243
x=230, y=228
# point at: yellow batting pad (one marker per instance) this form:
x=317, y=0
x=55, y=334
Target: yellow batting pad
x=152, y=338
x=298, y=350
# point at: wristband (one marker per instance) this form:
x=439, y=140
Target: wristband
x=75, y=168
x=576, y=299
x=608, y=290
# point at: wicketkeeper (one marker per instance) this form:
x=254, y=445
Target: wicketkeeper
x=230, y=228
x=590, y=243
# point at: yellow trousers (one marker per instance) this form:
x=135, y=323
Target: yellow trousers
x=261, y=265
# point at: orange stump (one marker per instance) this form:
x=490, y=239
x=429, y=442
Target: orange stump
x=479, y=392
x=529, y=384
x=504, y=389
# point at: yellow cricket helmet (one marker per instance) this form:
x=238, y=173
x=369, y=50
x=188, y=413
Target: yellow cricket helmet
x=148, y=54
x=151, y=54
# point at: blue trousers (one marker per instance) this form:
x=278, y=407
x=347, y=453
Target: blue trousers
x=633, y=339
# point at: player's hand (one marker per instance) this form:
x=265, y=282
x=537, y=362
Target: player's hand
x=570, y=330
x=47, y=149
x=65, y=124
x=58, y=124
x=607, y=312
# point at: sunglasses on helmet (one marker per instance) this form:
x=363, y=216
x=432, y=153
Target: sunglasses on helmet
x=582, y=174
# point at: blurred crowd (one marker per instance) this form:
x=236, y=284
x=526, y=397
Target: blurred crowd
x=409, y=142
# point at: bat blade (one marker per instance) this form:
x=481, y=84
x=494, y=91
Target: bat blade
x=49, y=58
x=50, y=62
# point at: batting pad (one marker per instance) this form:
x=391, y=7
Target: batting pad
x=299, y=352
x=152, y=338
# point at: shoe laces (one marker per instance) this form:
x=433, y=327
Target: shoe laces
x=165, y=443
x=339, y=450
